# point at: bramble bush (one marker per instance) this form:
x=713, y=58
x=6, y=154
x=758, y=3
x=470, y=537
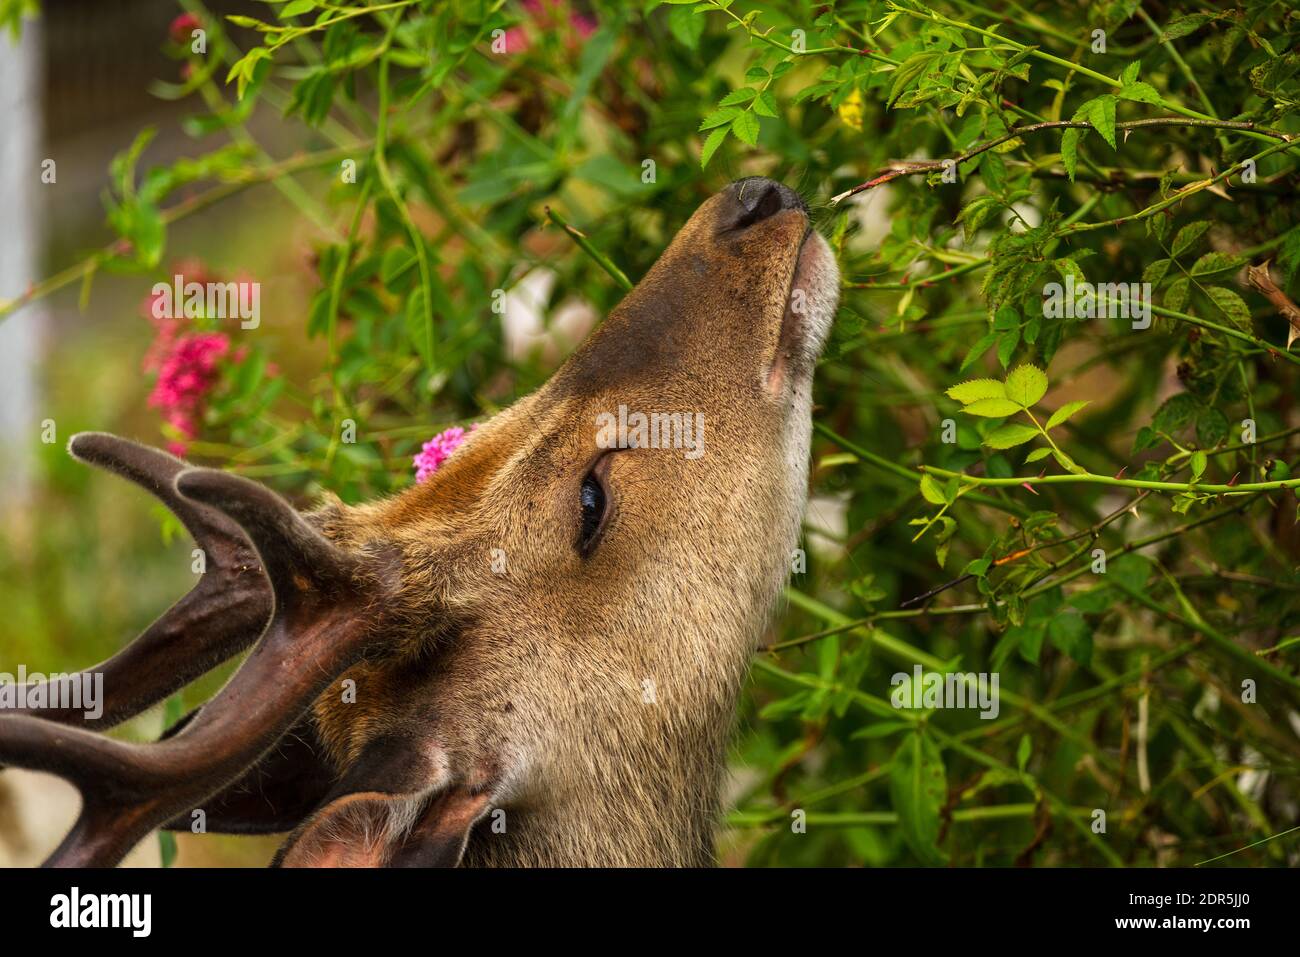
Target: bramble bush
x=1055, y=422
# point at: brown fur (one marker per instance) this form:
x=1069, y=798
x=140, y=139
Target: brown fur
x=533, y=681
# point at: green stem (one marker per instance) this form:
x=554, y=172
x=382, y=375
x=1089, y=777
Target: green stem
x=601, y=260
x=1090, y=478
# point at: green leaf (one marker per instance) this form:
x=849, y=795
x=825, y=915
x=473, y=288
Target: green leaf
x=1231, y=305
x=745, y=126
x=992, y=408
x=1069, y=632
x=1198, y=462
x=719, y=117
x=1026, y=384
x=918, y=788
x=712, y=143
x=764, y=104
x=1175, y=413
x=1217, y=265
x=1101, y=114
x=1156, y=271
x=1065, y=413
x=1070, y=150
x=1140, y=93
x=976, y=212
x=1010, y=435
x=932, y=491
x=737, y=97
x=295, y=7
x=1184, y=238
x=1176, y=294
x=1185, y=25
x=907, y=73
x=1037, y=454
x=882, y=729
x=1007, y=343
x=686, y=27
x=981, y=346
x=1023, y=751
x=975, y=389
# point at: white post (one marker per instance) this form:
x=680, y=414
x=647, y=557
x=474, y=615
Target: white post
x=21, y=202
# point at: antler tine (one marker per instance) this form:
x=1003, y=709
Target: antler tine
x=221, y=616
x=328, y=605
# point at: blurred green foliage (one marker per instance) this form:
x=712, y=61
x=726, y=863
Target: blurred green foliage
x=1156, y=684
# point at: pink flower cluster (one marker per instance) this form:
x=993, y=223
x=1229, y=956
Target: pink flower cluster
x=437, y=450
x=185, y=376
x=187, y=363
x=548, y=16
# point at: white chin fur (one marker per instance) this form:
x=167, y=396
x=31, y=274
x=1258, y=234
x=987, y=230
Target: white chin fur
x=819, y=277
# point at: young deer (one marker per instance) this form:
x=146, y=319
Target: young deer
x=548, y=631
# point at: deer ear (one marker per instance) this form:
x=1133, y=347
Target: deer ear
x=395, y=806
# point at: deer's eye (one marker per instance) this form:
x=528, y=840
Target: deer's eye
x=594, y=505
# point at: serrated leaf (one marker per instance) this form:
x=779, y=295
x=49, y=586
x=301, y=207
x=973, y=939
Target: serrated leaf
x=1065, y=413
x=1184, y=238
x=1231, y=305
x=686, y=27
x=1010, y=435
x=975, y=213
x=1026, y=384
x=737, y=97
x=1156, y=271
x=745, y=126
x=974, y=389
x=1101, y=114
x=1216, y=264
x=981, y=346
x=1070, y=150
x=712, y=143
x=992, y=408
x=719, y=117
x=764, y=104
x=1140, y=93
x=1176, y=294
x=907, y=73
x=918, y=788
x=1037, y=455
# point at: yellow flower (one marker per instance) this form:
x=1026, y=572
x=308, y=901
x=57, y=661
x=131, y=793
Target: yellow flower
x=851, y=111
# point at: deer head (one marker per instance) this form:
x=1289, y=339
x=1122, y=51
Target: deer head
x=552, y=630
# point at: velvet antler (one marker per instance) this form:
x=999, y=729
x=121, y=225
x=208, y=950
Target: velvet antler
x=325, y=607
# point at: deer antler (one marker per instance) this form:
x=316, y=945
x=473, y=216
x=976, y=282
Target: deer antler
x=221, y=616
x=326, y=607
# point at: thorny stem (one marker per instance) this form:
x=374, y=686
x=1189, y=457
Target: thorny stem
x=929, y=166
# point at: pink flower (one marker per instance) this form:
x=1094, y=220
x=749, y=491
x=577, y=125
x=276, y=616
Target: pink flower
x=187, y=369
x=437, y=450
x=182, y=27
x=549, y=15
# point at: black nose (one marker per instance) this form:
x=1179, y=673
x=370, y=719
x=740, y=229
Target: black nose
x=758, y=197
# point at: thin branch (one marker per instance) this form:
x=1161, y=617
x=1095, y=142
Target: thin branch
x=928, y=166
x=579, y=237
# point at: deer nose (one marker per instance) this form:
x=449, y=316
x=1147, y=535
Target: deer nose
x=758, y=198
